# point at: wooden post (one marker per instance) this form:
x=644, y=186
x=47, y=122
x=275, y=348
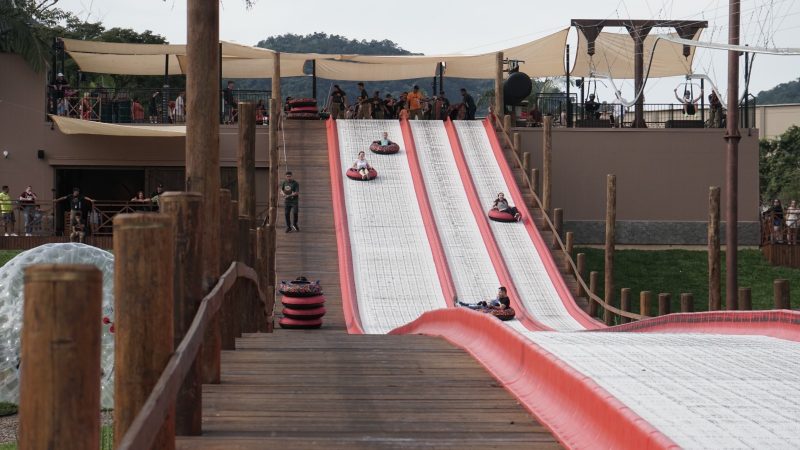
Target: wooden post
x=547, y=159
x=664, y=304
x=745, y=299
x=143, y=302
x=581, y=263
x=517, y=143
x=507, y=126
x=234, y=298
x=569, y=244
x=714, y=271
x=272, y=179
x=59, y=388
x=202, y=124
x=781, y=293
x=535, y=181
x=526, y=161
x=558, y=224
x=246, y=163
x=499, y=105
x=687, y=303
x=228, y=323
x=645, y=299
x=245, y=292
x=611, y=219
x=625, y=303
x=276, y=80
x=262, y=269
x=186, y=210
x=594, y=277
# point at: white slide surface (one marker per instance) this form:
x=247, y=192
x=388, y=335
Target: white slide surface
x=471, y=267
x=528, y=273
x=395, y=275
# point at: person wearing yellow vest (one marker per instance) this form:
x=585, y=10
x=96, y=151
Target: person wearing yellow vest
x=7, y=211
x=415, y=103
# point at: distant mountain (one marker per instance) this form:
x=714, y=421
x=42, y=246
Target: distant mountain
x=780, y=94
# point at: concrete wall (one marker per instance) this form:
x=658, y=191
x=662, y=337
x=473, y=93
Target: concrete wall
x=663, y=177
x=774, y=120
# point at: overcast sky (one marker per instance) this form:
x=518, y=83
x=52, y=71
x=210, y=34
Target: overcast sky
x=473, y=26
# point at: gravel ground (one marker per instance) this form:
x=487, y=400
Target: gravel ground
x=8, y=425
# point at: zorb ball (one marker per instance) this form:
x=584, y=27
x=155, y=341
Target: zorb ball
x=12, y=285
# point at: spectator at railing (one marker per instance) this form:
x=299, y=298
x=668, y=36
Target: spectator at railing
x=469, y=103
x=180, y=108
x=792, y=222
x=261, y=112
x=775, y=214
x=60, y=105
x=78, y=228
x=138, y=111
x=592, y=108
x=7, y=211
x=715, y=112
x=27, y=201
x=155, y=101
x=154, y=197
x=337, y=102
x=86, y=107
x=535, y=116
x=229, y=103
x=415, y=99
x=78, y=203
x=140, y=202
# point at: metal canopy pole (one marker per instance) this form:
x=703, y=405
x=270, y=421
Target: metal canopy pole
x=732, y=138
x=164, y=95
x=314, y=78
x=569, y=103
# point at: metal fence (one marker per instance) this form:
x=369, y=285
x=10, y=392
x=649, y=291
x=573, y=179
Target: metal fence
x=145, y=106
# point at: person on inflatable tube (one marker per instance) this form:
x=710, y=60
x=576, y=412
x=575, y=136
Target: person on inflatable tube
x=384, y=145
x=362, y=166
x=500, y=303
x=501, y=205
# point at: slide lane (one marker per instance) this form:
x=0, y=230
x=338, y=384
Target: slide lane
x=527, y=264
x=394, y=275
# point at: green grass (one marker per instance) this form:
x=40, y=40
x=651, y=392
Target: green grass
x=680, y=271
x=7, y=409
x=6, y=255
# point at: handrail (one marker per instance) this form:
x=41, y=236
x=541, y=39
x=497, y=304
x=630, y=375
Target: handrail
x=551, y=226
x=148, y=421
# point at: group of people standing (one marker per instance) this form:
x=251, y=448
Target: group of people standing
x=409, y=105
x=784, y=222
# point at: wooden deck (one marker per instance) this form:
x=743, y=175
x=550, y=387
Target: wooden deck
x=327, y=389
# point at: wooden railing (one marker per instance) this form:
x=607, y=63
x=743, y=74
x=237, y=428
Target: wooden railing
x=503, y=129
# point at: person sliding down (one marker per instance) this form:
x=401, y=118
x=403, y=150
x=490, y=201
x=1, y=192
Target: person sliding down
x=362, y=166
x=384, y=140
x=501, y=204
x=500, y=303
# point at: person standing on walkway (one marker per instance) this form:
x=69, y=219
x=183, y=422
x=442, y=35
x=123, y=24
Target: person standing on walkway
x=364, y=111
x=469, y=103
x=7, y=211
x=27, y=201
x=415, y=103
x=337, y=102
x=290, y=190
x=715, y=121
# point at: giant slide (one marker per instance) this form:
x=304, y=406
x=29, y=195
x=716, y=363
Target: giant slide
x=417, y=237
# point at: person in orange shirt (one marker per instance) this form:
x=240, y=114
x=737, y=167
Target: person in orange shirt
x=415, y=103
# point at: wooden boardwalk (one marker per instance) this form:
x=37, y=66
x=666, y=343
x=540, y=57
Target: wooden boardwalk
x=327, y=389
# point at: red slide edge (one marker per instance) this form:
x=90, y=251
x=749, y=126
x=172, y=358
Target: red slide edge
x=346, y=278
x=579, y=412
x=486, y=232
x=544, y=252
x=780, y=324
x=439, y=258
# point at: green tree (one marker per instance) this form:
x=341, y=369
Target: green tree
x=779, y=166
x=780, y=94
x=24, y=26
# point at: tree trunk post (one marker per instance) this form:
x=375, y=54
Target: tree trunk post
x=687, y=303
x=569, y=246
x=186, y=210
x=581, y=263
x=714, y=264
x=246, y=161
x=228, y=322
x=625, y=303
x=645, y=299
x=535, y=181
x=745, y=299
x=272, y=179
x=558, y=224
x=664, y=304
x=526, y=161
x=594, y=278
x=547, y=159
x=143, y=302
x=498, y=86
x=262, y=269
x=59, y=386
x=276, y=81
x=517, y=139
x=611, y=219
x=781, y=293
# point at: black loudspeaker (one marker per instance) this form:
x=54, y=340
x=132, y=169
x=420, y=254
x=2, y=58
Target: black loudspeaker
x=40, y=154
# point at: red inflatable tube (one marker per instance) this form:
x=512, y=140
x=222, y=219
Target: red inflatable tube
x=302, y=116
x=390, y=149
x=303, y=109
x=302, y=102
x=346, y=278
x=353, y=174
x=303, y=302
x=579, y=412
x=501, y=216
x=294, y=324
x=439, y=256
x=304, y=314
x=544, y=252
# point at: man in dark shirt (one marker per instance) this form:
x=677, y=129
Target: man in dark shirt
x=378, y=109
x=469, y=103
x=230, y=103
x=363, y=103
x=389, y=104
x=501, y=302
x=592, y=108
x=290, y=190
x=154, y=197
x=79, y=207
x=337, y=102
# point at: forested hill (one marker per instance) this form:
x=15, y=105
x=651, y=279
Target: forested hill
x=780, y=94
x=332, y=43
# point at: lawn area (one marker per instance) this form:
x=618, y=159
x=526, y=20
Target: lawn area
x=6, y=255
x=679, y=271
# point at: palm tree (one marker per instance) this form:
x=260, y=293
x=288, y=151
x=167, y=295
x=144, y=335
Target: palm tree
x=20, y=30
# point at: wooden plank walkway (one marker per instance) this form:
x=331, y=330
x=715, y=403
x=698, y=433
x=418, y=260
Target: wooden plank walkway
x=327, y=389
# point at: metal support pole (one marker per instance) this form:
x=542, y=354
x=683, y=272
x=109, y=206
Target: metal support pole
x=746, y=89
x=703, y=100
x=732, y=137
x=569, y=103
x=220, y=83
x=165, y=92
x=314, y=78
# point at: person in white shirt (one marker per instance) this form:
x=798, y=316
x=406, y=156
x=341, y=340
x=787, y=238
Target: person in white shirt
x=362, y=166
x=180, y=108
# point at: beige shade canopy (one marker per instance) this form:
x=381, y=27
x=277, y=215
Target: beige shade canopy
x=540, y=58
x=77, y=126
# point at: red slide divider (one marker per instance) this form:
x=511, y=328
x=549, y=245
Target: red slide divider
x=544, y=252
x=346, y=277
x=579, y=412
x=439, y=258
x=488, y=237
